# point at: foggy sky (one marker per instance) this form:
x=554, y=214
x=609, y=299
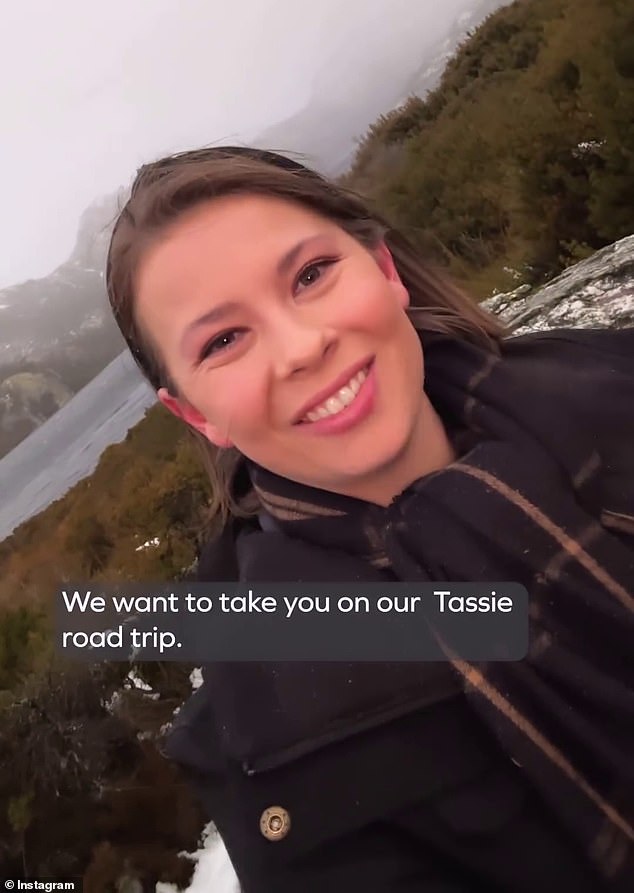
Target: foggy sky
x=90, y=90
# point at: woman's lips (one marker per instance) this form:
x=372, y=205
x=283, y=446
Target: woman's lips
x=341, y=381
x=350, y=415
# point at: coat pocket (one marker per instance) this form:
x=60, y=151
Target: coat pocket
x=424, y=763
x=270, y=715
x=359, y=780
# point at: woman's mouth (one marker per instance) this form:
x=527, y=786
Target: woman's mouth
x=346, y=407
x=340, y=399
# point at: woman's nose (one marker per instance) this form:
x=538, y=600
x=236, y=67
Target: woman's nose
x=299, y=346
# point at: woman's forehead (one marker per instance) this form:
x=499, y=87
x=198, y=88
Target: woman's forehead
x=236, y=215
x=232, y=232
x=228, y=237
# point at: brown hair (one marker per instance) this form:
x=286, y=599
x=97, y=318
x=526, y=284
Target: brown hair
x=164, y=189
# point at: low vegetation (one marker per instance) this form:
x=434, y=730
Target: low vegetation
x=521, y=162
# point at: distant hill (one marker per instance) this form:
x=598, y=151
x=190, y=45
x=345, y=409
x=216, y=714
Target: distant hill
x=327, y=131
x=58, y=329
x=40, y=316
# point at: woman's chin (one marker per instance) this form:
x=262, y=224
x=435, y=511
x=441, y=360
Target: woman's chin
x=365, y=472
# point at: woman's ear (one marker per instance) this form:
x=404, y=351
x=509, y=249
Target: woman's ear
x=187, y=413
x=384, y=259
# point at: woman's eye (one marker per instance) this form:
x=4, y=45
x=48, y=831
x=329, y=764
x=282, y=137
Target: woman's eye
x=313, y=271
x=220, y=343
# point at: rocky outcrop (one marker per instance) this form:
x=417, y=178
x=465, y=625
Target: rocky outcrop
x=34, y=392
x=596, y=292
x=27, y=399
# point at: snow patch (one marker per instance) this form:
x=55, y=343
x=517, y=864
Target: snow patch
x=136, y=681
x=111, y=704
x=213, y=869
x=155, y=541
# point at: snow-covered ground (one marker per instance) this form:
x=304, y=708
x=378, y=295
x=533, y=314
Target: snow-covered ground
x=213, y=872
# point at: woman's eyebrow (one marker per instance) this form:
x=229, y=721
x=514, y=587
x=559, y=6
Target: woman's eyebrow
x=216, y=314
x=288, y=259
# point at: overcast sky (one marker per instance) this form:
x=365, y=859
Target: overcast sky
x=89, y=90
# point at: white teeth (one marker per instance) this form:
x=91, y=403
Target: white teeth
x=346, y=395
x=333, y=405
x=340, y=400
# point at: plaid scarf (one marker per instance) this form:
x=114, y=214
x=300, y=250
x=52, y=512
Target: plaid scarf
x=542, y=494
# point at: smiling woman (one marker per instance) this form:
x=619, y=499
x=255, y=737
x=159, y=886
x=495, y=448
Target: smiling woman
x=244, y=289
x=258, y=338
x=363, y=420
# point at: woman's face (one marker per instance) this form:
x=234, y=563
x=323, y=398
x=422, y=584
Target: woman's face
x=286, y=338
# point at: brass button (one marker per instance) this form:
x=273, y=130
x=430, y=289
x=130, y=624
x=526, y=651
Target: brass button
x=275, y=823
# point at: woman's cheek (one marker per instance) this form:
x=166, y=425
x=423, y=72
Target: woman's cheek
x=243, y=405
x=370, y=309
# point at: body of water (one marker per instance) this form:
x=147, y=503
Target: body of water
x=67, y=446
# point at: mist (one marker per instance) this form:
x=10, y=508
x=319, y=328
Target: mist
x=88, y=94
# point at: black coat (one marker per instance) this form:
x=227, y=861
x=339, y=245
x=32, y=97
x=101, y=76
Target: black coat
x=381, y=778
